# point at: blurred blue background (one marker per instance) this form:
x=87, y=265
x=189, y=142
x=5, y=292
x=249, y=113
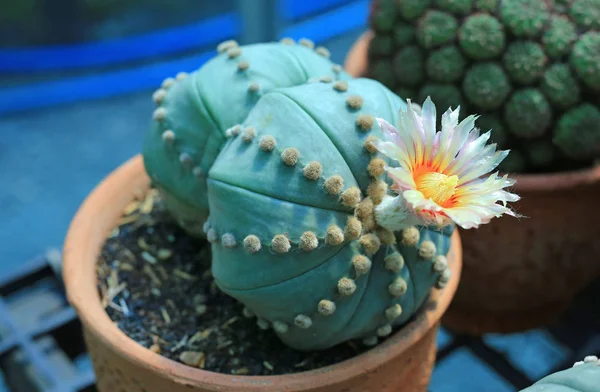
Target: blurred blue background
x=76, y=78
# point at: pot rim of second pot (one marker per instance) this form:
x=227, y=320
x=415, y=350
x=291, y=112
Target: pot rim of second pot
x=91, y=225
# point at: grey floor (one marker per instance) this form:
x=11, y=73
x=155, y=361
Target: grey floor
x=51, y=159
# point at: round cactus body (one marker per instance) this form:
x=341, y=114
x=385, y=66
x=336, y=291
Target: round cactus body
x=584, y=376
x=526, y=64
x=482, y=37
x=313, y=238
x=268, y=151
x=196, y=111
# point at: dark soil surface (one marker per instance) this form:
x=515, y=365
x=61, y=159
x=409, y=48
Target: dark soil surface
x=157, y=286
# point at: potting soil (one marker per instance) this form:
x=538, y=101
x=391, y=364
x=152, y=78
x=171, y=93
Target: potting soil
x=156, y=284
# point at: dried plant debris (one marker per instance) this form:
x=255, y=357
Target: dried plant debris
x=156, y=285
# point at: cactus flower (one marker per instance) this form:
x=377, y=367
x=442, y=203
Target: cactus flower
x=441, y=177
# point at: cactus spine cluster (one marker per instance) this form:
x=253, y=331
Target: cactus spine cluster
x=530, y=67
x=267, y=151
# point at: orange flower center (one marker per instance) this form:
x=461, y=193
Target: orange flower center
x=437, y=186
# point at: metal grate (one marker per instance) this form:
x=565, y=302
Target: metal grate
x=41, y=345
x=510, y=362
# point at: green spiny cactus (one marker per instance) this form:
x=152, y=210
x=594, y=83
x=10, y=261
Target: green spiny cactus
x=584, y=376
x=291, y=181
x=531, y=66
x=196, y=111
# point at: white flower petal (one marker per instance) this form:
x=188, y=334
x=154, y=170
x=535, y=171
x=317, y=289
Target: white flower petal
x=403, y=177
x=418, y=201
x=460, y=136
x=390, y=133
x=392, y=151
x=415, y=130
x=464, y=217
x=449, y=123
x=429, y=117
x=450, y=120
x=482, y=166
x=436, y=144
x=468, y=153
x=406, y=135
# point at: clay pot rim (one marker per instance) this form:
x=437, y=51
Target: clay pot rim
x=356, y=64
x=91, y=225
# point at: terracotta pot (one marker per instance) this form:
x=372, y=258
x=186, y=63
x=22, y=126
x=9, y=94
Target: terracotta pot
x=402, y=363
x=357, y=60
x=523, y=273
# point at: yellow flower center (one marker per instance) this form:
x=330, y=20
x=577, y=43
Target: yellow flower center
x=437, y=186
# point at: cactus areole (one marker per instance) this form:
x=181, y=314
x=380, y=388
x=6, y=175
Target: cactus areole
x=530, y=67
x=325, y=220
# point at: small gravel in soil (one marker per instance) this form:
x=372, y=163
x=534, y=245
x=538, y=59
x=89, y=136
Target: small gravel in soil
x=156, y=284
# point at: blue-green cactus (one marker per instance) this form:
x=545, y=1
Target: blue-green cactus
x=294, y=247
x=291, y=181
x=584, y=376
x=195, y=111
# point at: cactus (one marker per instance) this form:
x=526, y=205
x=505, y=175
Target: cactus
x=196, y=111
x=293, y=178
x=531, y=67
x=584, y=376
x=307, y=257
